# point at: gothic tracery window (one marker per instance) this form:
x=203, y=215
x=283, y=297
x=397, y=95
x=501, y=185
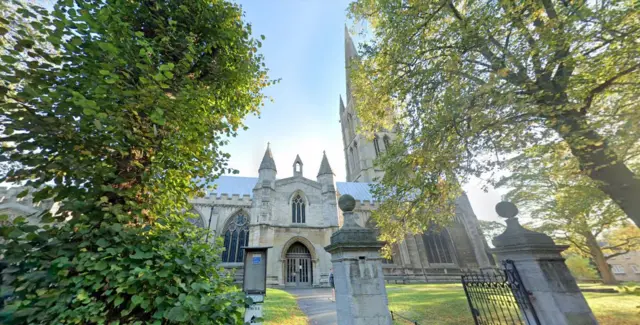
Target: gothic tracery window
x=438, y=244
x=386, y=141
x=352, y=165
x=356, y=157
x=298, y=210
x=236, y=235
x=376, y=145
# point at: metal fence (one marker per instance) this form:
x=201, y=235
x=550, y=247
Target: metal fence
x=499, y=297
x=396, y=316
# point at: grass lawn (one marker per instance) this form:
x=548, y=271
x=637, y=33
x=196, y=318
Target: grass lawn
x=281, y=308
x=446, y=304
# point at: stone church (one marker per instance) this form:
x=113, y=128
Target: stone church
x=297, y=215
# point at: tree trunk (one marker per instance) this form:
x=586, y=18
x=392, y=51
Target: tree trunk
x=599, y=162
x=600, y=260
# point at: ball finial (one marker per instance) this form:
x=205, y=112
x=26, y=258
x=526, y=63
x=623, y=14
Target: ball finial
x=506, y=209
x=346, y=203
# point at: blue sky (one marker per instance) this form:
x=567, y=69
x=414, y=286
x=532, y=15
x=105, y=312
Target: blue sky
x=304, y=47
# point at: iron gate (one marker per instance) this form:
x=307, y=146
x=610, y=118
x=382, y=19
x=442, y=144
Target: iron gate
x=499, y=298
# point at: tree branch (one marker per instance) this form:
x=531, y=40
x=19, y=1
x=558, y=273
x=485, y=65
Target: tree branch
x=603, y=86
x=615, y=254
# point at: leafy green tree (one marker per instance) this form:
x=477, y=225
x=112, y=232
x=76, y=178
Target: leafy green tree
x=467, y=84
x=547, y=185
x=580, y=268
x=113, y=108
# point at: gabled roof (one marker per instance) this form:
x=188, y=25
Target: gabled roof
x=239, y=185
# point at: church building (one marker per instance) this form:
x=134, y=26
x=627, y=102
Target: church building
x=297, y=215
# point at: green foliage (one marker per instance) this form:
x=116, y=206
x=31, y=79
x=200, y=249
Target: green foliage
x=66, y=276
x=113, y=108
x=491, y=229
x=547, y=186
x=580, y=268
x=469, y=84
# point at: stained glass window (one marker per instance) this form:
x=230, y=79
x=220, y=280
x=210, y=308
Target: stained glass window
x=236, y=235
x=376, y=145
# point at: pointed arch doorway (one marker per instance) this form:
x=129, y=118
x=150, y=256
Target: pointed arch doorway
x=298, y=266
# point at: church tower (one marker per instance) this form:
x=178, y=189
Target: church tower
x=359, y=152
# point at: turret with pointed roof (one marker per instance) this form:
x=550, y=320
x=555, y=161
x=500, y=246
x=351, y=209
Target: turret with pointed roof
x=267, y=160
x=267, y=170
x=326, y=175
x=325, y=168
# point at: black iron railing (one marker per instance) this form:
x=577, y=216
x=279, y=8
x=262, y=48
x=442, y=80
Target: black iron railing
x=499, y=297
x=396, y=316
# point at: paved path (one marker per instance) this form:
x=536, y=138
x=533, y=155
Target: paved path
x=317, y=305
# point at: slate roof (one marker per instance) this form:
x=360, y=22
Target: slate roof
x=239, y=185
x=359, y=191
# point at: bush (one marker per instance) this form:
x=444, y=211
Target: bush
x=112, y=108
x=115, y=274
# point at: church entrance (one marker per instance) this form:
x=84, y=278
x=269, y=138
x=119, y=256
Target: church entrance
x=298, y=269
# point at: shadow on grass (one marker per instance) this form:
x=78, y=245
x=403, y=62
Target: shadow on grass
x=446, y=304
x=430, y=304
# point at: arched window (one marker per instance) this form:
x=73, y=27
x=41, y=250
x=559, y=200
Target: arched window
x=438, y=245
x=350, y=124
x=386, y=141
x=298, y=210
x=236, y=235
x=352, y=160
x=376, y=145
x=356, y=156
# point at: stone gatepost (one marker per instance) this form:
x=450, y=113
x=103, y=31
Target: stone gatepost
x=555, y=295
x=361, y=297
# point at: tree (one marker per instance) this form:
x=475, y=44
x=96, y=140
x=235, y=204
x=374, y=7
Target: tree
x=564, y=203
x=491, y=229
x=467, y=84
x=114, y=108
x=580, y=268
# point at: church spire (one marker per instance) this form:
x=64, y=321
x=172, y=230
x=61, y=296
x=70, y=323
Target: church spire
x=267, y=160
x=349, y=47
x=341, y=105
x=325, y=168
x=350, y=54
